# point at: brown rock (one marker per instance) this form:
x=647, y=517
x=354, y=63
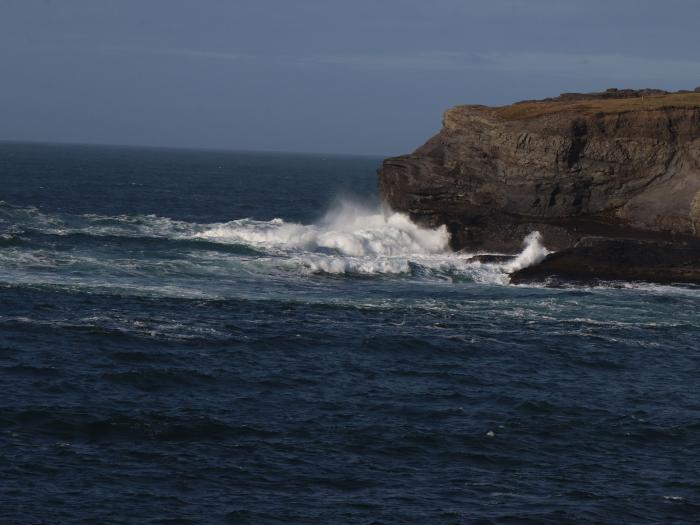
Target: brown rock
x=567, y=168
x=617, y=164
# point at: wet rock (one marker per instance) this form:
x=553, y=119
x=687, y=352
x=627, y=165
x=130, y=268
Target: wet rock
x=488, y=258
x=618, y=259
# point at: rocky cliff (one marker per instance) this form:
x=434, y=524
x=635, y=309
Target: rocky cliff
x=621, y=164
x=571, y=167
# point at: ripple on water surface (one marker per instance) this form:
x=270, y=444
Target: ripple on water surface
x=224, y=355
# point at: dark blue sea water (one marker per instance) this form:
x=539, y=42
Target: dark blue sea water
x=211, y=337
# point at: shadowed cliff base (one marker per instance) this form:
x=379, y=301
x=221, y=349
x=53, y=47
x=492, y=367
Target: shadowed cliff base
x=618, y=259
x=621, y=164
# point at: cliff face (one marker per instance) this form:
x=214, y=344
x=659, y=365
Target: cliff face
x=615, y=164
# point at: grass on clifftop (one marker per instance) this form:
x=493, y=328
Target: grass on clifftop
x=527, y=110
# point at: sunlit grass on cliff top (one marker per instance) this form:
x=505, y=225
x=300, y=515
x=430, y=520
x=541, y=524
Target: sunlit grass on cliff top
x=526, y=110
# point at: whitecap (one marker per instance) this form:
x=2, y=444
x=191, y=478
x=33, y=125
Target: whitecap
x=349, y=239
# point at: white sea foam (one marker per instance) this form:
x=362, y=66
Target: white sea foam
x=533, y=253
x=350, y=230
x=318, y=263
x=350, y=239
x=353, y=239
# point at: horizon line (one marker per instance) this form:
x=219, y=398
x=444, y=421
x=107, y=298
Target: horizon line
x=188, y=148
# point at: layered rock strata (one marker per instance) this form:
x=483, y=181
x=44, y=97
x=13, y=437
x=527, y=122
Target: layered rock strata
x=621, y=164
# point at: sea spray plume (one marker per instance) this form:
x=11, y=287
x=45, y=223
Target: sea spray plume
x=355, y=229
x=347, y=229
x=351, y=238
x=443, y=265
x=533, y=253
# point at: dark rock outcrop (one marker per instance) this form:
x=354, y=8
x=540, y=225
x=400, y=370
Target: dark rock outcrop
x=621, y=164
x=491, y=258
x=606, y=259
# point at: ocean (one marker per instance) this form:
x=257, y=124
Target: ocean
x=217, y=337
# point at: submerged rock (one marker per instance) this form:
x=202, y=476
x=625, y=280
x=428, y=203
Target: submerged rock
x=621, y=165
x=491, y=258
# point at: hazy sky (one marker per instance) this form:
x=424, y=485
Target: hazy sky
x=352, y=76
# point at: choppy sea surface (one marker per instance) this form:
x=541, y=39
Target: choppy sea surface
x=215, y=337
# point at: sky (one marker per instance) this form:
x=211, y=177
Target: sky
x=351, y=77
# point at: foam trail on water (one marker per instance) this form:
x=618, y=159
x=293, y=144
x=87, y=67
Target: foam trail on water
x=349, y=239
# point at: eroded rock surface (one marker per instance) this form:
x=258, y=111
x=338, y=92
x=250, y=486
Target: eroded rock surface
x=622, y=165
x=619, y=163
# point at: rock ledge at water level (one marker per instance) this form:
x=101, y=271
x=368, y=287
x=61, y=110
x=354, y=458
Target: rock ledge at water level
x=611, y=180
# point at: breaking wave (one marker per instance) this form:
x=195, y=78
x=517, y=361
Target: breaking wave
x=349, y=239
x=350, y=230
x=533, y=253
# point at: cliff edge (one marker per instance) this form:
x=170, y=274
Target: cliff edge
x=620, y=165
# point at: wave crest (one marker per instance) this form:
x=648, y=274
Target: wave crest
x=350, y=230
x=349, y=239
